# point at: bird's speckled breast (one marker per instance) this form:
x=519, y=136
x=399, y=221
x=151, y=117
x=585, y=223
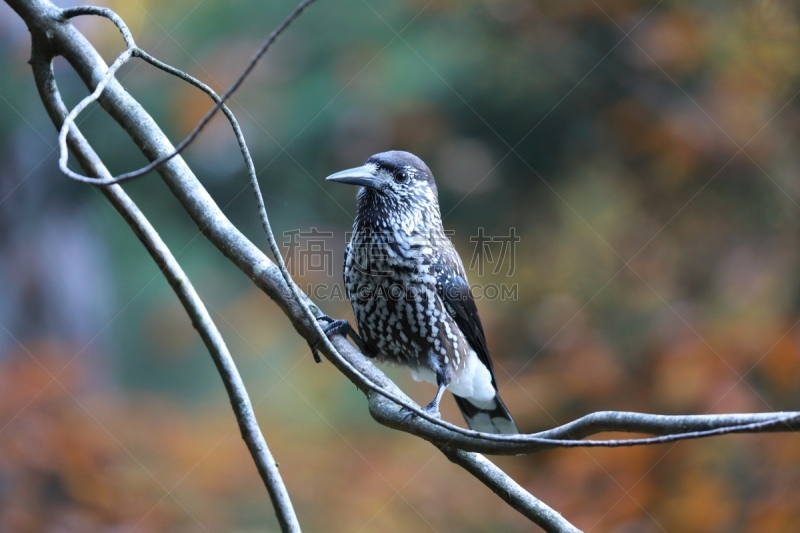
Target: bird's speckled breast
x=391, y=282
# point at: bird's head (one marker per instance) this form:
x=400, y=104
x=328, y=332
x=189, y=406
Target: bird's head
x=393, y=182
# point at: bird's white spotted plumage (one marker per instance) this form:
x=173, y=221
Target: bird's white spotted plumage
x=409, y=291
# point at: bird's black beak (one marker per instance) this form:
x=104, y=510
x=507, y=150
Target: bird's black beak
x=363, y=176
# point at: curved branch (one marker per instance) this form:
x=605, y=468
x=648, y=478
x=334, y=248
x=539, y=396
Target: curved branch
x=69, y=122
x=72, y=12
x=107, y=13
x=265, y=463
x=629, y=422
x=510, y=491
x=675, y=428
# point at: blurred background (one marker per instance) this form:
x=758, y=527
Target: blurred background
x=633, y=166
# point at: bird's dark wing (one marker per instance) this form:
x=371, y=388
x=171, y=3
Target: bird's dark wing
x=457, y=297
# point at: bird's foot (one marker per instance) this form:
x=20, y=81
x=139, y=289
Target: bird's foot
x=432, y=409
x=332, y=326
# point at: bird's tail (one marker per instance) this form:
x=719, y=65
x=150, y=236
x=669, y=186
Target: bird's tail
x=487, y=417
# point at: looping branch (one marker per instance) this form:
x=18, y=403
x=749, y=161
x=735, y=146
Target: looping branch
x=69, y=123
x=72, y=12
x=133, y=50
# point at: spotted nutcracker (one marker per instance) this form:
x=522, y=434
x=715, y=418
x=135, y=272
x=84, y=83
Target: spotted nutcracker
x=409, y=291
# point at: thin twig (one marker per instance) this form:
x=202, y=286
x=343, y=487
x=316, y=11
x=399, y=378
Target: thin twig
x=265, y=46
x=69, y=122
x=72, y=12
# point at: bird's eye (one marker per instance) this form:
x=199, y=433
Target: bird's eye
x=400, y=176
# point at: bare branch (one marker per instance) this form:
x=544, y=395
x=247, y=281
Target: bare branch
x=509, y=491
x=132, y=51
x=201, y=320
x=69, y=122
x=628, y=422
x=72, y=12
x=675, y=428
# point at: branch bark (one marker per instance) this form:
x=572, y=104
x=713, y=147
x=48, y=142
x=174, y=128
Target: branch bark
x=509, y=491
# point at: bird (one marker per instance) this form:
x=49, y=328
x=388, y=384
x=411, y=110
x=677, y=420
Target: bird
x=408, y=288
